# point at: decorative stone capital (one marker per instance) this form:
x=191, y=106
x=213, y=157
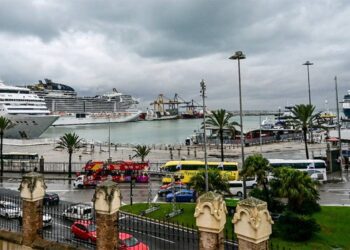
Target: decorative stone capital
x=210, y=213
x=252, y=220
x=107, y=198
x=32, y=187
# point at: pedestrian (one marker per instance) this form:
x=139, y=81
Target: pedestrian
x=35, y=169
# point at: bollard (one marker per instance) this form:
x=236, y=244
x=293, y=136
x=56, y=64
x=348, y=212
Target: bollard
x=32, y=191
x=41, y=164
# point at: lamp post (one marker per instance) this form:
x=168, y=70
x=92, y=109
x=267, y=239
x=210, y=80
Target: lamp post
x=307, y=63
x=203, y=88
x=338, y=125
x=109, y=138
x=240, y=56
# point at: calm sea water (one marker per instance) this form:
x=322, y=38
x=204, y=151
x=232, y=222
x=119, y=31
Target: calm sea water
x=143, y=132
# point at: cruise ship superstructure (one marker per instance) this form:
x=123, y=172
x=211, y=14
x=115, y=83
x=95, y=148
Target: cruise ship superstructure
x=62, y=99
x=346, y=104
x=28, y=113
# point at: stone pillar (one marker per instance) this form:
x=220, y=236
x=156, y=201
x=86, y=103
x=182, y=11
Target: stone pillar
x=253, y=224
x=107, y=201
x=210, y=217
x=32, y=191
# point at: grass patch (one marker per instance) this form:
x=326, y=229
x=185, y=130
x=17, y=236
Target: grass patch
x=334, y=222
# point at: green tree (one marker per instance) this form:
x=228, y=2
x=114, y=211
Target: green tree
x=296, y=186
x=5, y=123
x=220, y=120
x=257, y=165
x=141, y=151
x=217, y=182
x=303, y=117
x=70, y=142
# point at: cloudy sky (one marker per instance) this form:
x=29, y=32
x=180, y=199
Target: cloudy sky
x=149, y=47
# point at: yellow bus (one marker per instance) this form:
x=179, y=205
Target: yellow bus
x=184, y=170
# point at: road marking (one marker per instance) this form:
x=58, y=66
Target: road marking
x=338, y=189
x=155, y=198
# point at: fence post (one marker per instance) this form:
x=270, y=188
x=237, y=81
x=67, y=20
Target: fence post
x=32, y=190
x=253, y=224
x=41, y=164
x=210, y=217
x=107, y=201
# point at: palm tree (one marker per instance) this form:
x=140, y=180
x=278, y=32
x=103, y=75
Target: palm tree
x=303, y=116
x=296, y=186
x=71, y=142
x=217, y=182
x=220, y=120
x=4, y=124
x=257, y=165
x=141, y=151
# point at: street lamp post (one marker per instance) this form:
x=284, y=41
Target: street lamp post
x=240, y=56
x=307, y=63
x=203, y=88
x=338, y=126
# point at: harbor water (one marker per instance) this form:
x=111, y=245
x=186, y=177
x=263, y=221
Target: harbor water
x=143, y=132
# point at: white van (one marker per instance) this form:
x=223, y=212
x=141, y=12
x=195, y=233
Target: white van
x=236, y=188
x=78, y=212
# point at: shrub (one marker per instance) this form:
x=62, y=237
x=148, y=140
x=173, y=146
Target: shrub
x=309, y=207
x=297, y=227
x=275, y=206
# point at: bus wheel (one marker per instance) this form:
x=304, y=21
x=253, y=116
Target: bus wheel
x=239, y=194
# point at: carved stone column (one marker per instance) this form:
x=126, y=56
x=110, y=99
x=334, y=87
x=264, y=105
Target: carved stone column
x=32, y=191
x=210, y=217
x=253, y=224
x=107, y=201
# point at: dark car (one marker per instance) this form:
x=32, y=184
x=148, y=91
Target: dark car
x=182, y=196
x=51, y=199
x=177, y=187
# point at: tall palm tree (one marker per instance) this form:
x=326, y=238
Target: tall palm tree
x=220, y=119
x=71, y=142
x=257, y=165
x=5, y=123
x=303, y=116
x=296, y=186
x=217, y=182
x=141, y=151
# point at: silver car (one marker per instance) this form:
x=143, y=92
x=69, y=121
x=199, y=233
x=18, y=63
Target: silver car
x=9, y=210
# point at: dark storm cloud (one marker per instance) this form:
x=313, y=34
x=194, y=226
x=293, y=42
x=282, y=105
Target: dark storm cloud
x=149, y=47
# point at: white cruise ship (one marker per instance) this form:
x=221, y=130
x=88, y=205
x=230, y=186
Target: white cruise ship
x=61, y=99
x=27, y=112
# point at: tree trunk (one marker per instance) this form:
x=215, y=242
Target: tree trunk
x=1, y=157
x=305, y=141
x=266, y=191
x=222, y=144
x=70, y=168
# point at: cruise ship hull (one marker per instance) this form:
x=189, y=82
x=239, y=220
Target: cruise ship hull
x=99, y=118
x=28, y=126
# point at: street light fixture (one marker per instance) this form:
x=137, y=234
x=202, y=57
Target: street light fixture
x=203, y=88
x=307, y=63
x=240, y=56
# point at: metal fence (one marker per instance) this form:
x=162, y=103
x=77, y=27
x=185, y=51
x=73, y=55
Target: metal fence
x=10, y=213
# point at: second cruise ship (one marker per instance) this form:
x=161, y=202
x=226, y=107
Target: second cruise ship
x=62, y=100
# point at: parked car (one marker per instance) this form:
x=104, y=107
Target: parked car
x=78, y=212
x=86, y=230
x=176, y=188
x=315, y=175
x=184, y=195
x=47, y=220
x=251, y=182
x=236, y=188
x=51, y=199
x=9, y=209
